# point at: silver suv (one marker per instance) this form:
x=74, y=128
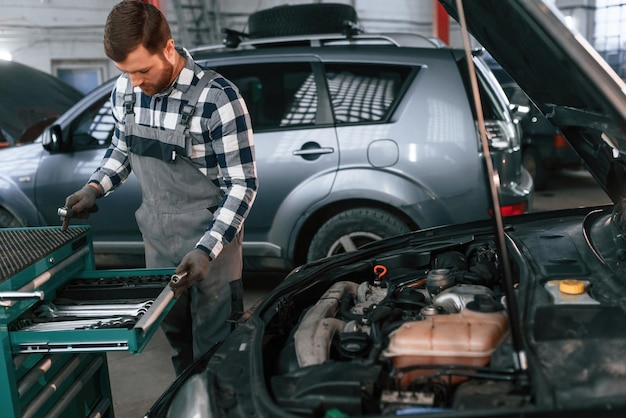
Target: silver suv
x=358, y=138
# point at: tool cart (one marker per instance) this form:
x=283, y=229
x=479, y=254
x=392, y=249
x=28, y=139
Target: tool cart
x=59, y=316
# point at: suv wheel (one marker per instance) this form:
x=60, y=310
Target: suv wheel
x=301, y=19
x=352, y=229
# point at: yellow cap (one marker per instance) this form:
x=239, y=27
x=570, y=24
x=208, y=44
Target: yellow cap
x=572, y=286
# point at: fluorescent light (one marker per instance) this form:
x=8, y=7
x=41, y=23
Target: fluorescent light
x=5, y=55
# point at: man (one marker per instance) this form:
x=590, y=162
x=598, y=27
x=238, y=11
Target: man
x=186, y=134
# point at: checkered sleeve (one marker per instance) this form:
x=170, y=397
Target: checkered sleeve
x=114, y=168
x=230, y=135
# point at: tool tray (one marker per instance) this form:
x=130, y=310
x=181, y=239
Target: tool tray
x=59, y=266
x=40, y=329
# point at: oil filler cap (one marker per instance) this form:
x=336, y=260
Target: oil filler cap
x=572, y=286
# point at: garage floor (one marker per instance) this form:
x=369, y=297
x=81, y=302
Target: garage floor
x=137, y=380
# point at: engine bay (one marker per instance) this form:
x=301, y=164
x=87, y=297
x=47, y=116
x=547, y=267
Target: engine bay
x=425, y=325
x=416, y=329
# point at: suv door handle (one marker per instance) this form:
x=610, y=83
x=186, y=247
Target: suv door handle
x=312, y=150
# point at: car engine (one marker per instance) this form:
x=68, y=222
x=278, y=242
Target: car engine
x=413, y=333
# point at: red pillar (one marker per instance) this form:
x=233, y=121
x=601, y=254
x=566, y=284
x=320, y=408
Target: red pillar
x=441, y=23
x=155, y=3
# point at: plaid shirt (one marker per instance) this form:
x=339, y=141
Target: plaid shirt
x=222, y=146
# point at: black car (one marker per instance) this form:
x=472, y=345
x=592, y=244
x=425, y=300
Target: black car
x=30, y=100
x=521, y=316
x=544, y=148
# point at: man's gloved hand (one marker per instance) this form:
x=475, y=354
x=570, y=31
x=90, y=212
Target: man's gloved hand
x=196, y=265
x=83, y=202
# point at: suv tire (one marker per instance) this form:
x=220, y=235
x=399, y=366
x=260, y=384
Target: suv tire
x=352, y=229
x=301, y=19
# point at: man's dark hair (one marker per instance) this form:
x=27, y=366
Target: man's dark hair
x=132, y=23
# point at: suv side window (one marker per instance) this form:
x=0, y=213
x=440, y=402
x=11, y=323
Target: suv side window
x=278, y=95
x=364, y=93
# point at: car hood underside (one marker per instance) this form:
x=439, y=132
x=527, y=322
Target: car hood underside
x=564, y=76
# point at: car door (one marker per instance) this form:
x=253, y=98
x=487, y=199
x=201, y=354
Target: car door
x=87, y=130
x=296, y=146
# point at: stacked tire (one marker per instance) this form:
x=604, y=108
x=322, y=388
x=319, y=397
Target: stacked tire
x=301, y=19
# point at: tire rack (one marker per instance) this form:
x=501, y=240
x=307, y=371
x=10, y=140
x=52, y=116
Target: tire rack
x=62, y=373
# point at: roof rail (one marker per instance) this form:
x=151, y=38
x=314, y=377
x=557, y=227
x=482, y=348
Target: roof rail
x=398, y=39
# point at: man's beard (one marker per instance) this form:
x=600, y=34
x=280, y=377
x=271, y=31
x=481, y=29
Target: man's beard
x=162, y=83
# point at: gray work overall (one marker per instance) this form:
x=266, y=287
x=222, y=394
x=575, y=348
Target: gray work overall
x=174, y=214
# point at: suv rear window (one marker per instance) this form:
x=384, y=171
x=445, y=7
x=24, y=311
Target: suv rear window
x=364, y=93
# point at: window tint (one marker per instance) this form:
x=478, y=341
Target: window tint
x=94, y=128
x=277, y=95
x=364, y=92
x=493, y=106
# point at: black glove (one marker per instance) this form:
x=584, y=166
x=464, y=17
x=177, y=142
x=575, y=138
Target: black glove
x=196, y=265
x=83, y=202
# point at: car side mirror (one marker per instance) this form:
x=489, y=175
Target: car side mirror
x=53, y=139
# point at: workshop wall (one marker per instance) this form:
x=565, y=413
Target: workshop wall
x=64, y=37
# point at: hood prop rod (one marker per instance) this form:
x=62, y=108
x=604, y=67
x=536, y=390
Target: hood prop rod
x=519, y=354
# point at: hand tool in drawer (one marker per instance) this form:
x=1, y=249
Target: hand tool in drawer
x=50, y=310
x=75, y=324
x=116, y=288
x=48, y=316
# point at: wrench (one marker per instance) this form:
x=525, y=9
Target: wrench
x=90, y=311
x=69, y=325
x=159, y=305
x=66, y=214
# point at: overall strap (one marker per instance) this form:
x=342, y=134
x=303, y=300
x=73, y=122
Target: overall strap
x=194, y=96
x=129, y=102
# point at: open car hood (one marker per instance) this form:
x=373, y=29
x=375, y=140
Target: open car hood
x=29, y=101
x=561, y=72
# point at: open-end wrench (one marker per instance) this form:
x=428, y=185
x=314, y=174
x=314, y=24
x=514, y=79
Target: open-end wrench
x=92, y=311
x=94, y=323
x=99, y=307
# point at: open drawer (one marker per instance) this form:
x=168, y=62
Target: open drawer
x=96, y=310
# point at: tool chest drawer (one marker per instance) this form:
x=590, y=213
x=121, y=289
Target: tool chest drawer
x=58, y=385
x=106, y=310
x=59, y=316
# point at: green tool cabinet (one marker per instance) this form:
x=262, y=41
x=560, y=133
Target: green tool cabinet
x=54, y=360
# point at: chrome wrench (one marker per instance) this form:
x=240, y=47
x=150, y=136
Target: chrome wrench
x=69, y=325
x=85, y=311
